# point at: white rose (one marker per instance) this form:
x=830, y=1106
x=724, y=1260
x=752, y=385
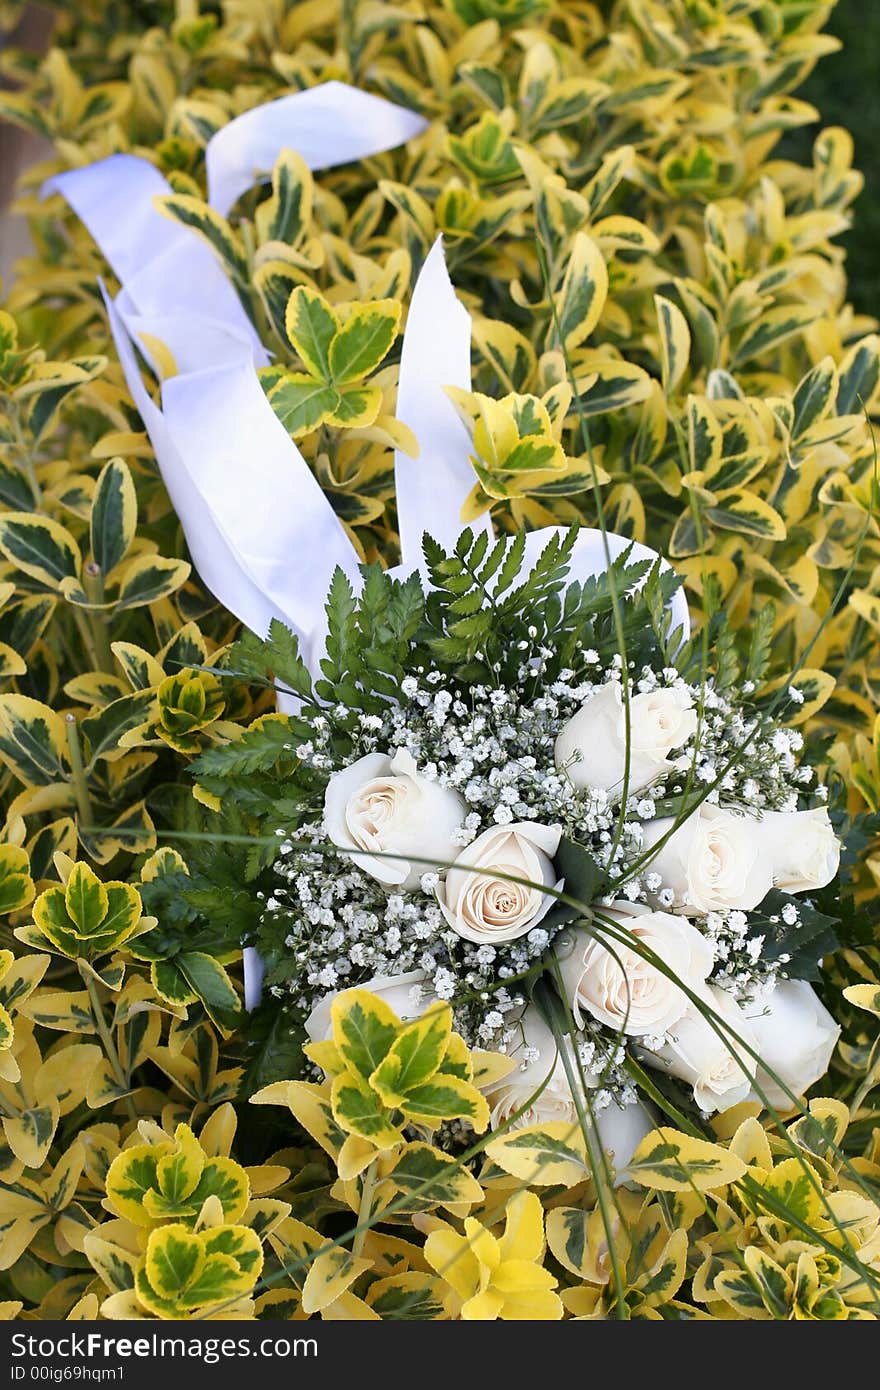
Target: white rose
x=398, y=992
x=803, y=850
x=796, y=1037
x=714, y=862
x=591, y=747
x=619, y=1129
x=720, y=1070
x=481, y=903
x=382, y=806
x=544, y=1063
x=620, y=988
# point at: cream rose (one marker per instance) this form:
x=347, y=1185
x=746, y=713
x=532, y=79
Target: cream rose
x=619, y=1129
x=591, y=747
x=796, y=1037
x=613, y=982
x=720, y=1070
x=714, y=862
x=479, y=899
x=538, y=1060
x=381, y=805
x=803, y=850
x=408, y=995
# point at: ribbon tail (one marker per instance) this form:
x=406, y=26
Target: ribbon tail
x=432, y=489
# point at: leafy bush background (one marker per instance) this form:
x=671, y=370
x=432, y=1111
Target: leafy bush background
x=845, y=90
x=123, y=1087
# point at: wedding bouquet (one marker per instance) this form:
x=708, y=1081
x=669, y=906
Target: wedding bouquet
x=504, y=778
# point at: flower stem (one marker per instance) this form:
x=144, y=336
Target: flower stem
x=106, y=1037
x=78, y=773
x=93, y=583
x=365, y=1210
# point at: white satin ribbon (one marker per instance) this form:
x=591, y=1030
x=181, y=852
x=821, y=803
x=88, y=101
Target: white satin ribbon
x=166, y=269
x=213, y=551
x=326, y=125
x=431, y=489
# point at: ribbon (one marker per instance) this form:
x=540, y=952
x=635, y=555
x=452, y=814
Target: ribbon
x=327, y=125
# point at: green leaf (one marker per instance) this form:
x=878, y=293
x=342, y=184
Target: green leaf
x=113, y=520
x=584, y=290
x=150, y=578
x=33, y=741
x=207, y=979
x=40, y=547
x=363, y=341
x=424, y=1177
x=675, y=342
x=86, y=900
x=302, y=403
x=671, y=1161
x=311, y=324
x=414, y=1056
x=364, y=1029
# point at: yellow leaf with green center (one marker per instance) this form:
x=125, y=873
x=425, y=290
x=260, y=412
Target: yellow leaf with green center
x=423, y=1177
x=301, y=402
x=16, y=884
x=85, y=899
x=793, y=1192
x=192, y=212
x=330, y=1274
x=584, y=291
x=414, y=1056
x=33, y=741
x=178, y=1173
x=310, y=1105
x=182, y=1273
x=675, y=342
x=311, y=326
x=363, y=341
x=672, y=1161
x=364, y=1029
x=548, y=1155
x=39, y=547
x=131, y=1175
x=357, y=1109
x=113, y=515
x=662, y=1282
x=772, y=1281
x=821, y=1131
x=355, y=407
x=458, y=1060
x=737, y=1288
x=411, y=1296
x=446, y=1097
